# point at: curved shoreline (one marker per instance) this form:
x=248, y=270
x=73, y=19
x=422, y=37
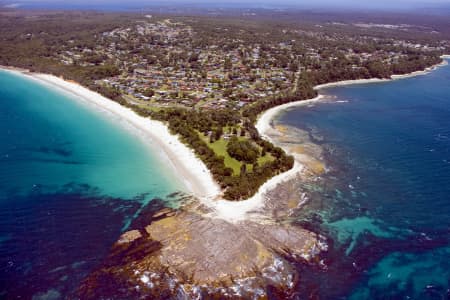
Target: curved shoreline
x=190, y=168
x=378, y=80
x=264, y=123
x=193, y=172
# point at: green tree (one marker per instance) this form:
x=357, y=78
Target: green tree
x=149, y=92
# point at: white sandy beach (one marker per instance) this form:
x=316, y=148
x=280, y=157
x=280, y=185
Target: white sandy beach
x=350, y=82
x=192, y=170
x=424, y=72
x=245, y=209
x=235, y=211
x=264, y=126
x=378, y=80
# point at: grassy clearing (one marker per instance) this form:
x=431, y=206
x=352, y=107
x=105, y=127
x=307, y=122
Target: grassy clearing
x=220, y=148
x=265, y=159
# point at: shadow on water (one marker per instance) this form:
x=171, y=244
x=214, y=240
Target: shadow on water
x=49, y=241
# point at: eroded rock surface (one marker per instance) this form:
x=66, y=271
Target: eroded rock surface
x=193, y=255
x=207, y=250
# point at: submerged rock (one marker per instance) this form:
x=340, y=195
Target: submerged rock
x=129, y=236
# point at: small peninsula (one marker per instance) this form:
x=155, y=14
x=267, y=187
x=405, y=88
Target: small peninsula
x=205, y=90
x=207, y=79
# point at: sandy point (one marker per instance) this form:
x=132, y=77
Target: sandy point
x=196, y=176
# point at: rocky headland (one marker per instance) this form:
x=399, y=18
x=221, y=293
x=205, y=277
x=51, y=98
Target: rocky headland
x=188, y=253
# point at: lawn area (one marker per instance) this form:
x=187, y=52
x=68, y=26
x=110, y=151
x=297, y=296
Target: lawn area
x=220, y=148
x=264, y=159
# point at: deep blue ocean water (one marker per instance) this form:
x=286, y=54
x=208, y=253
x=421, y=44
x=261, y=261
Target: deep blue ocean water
x=385, y=203
x=71, y=179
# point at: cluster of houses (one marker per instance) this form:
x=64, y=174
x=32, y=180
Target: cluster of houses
x=220, y=79
x=167, y=67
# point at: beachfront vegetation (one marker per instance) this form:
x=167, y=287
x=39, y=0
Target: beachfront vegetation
x=240, y=175
x=209, y=78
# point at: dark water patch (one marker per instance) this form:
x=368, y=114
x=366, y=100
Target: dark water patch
x=174, y=195
x=54, y=230
x=339, y=273
x=359, y=237
x=53, y=240
x=146, y=214
x=384, y=201
x=104, y=283
x=109, y=279
x=57, y=161
x=51, y=150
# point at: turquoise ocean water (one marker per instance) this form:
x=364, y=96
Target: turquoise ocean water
x=385, y=203
x=71, y=179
